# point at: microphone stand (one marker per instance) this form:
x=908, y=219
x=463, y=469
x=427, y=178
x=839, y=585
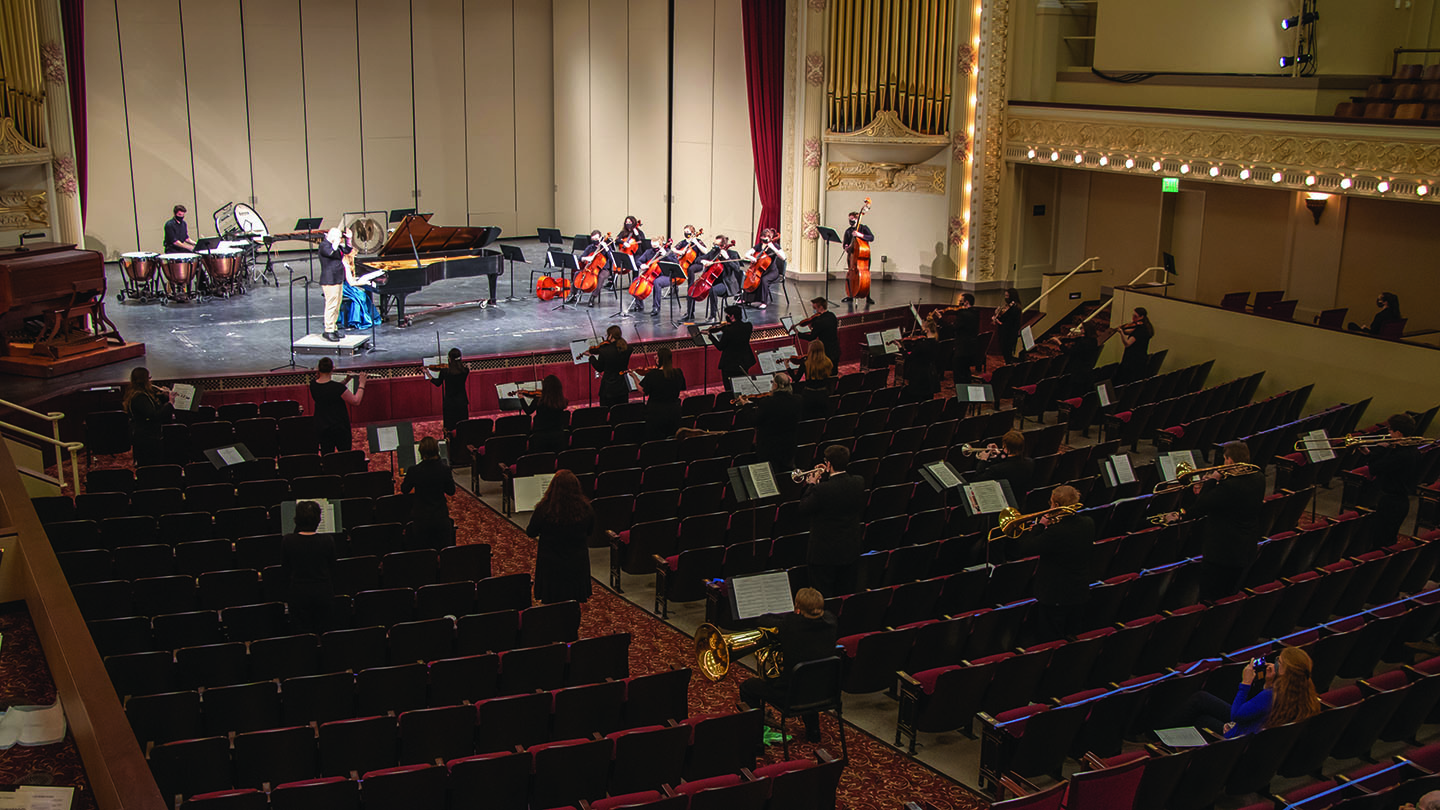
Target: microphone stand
x=290, y=287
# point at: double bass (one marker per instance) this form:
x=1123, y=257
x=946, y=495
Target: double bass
x=857, y=277
x=644, y=283
x=587, y=278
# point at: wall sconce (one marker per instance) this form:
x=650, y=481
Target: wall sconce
x=1316, y=201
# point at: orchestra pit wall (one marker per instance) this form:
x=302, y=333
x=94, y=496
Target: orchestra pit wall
x=1229, y=238
x=612, y=139
x=317, y=108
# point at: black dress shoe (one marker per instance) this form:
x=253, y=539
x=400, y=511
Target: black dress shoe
x=331, y=336
x=339, y=334
x=869, y=300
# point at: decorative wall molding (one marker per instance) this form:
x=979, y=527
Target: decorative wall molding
x=15, y=150
x=922, y=179
x=814, y=69
x=24, y=208
x=994, y=66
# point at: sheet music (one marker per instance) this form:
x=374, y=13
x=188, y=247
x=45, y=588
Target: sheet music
x=873, y=339
x=1124, y=472
x=387, y=438
x=764, y=480
x=788, y=323
x=761, y=594
x=327, y=516
x=369, y=277
x=1103, y=391
x=891, y=340
x=229, y=455
x=32, y=797
x=529, y=490
x=769, y=363
x=787, y=351
x=182, y=397
x=346, y=380
x=975, y=393
x=578, y=349
x=1169, y=461
x=1027, y=338
x=944, y=474
x=507, y=390
x=916, y=313
x=986, y=497
x=1182, y=737
x=1317, y=447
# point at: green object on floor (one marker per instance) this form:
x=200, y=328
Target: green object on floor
x=774, y=737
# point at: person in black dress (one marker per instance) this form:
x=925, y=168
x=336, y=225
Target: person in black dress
x=964, y=326
x=815, y=380
x=1084, y=351
x=455, y=407
x=1007, y=324
x=834, y=504
x=736, y=358
x=430, y=481
x=1396, y=472
x=331, y=402
x=662, y=386
x=1230, y=534
x=1388, y=313
x=562, y=523
x=725, y=285
x=808, y=634
x=1136, y=336
x=824, y=327
x=769, y=243
x=777, y=420
x=611, y=358
x=307, y=559
x=547, y=431
x=1007, y=463
x=922, y=372
x=149, y=408
x=1066, y=548
x=857, y=228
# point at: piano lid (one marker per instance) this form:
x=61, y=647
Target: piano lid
x=431, y=239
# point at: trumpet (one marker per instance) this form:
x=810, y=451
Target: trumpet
x=1353, y=440
x=1185, y=475
x=1158, y=520
x=1013, y=524
x=799, y=476
x=967, y=450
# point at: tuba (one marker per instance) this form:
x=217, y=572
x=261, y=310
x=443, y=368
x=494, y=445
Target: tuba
x=715, y=649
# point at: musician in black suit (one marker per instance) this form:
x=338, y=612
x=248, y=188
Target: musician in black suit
x=430, y=481
x=808, y=634
x=1230, y=535
x=857, y=228
x=965, y=328
x=177, y=233
x=824, y=327
x=776, y=422
x=306, y=560
x=922, y=372
x=1066, y=548
x=333, y=250
x=1396, y=472
x=1007, y=462
x=834, y=503
x=736, y=357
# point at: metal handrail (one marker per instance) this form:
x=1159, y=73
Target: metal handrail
x=1058, y=284
x=1395, y=60
x=1111, y=300
x=53, y=417
x=73, y=448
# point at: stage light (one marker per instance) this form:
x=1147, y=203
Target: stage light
x=1079, y=158
x=1054, y=156
x=1129, y=163
x=1244, y=174
x=1156, y=166
x=1346, y=183
x=1382, y=186
x=1316, y=201
x=1104, y=161
x=1184, y=168
x=1301, y=59
x=1422, y=189
x=1030, y=154
x=1299, y=20
x=1277, y=177
x=1214, y=171
x=1309, y=179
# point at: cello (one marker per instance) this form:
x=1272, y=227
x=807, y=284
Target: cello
x=756, y=271
x=693, y=246
x=705, y=280
x=630, y=243
x=857, y=277
x=588, y=277
x=644, y=282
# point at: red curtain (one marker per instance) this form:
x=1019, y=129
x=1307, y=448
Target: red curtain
x=764, y=23
x=72, y=18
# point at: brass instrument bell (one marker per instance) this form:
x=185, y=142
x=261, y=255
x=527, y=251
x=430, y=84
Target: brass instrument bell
x=715, y=649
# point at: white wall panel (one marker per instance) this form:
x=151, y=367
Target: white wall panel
x=274, y=89
x=332, y=109
x=490, y=100
x=387, y=120
x=159, y=126
x=440, y=102
x=648, y=79
x=610, y=120
x=219, y=128
x=572, y=115
x=694, y=114
x=110, y=214
x=533, y=114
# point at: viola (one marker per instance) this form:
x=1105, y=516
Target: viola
x=857, y=276
x=644, y=282
x=756, y=271
x=548, y=289
x=587, y=278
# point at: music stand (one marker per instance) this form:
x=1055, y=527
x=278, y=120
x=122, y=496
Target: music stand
x=399, y=214
x=622, y=259
x=828, y=235
x=566, y=261
x=512, y=254
x=305, y=281
x=672, y=271
x=550, y=236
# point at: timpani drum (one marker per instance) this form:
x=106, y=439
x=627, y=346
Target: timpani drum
x=140, y=271
x=224, y=268
x=180, y=270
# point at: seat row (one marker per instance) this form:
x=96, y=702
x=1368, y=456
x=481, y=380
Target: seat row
x=1145, y=420
x=535, y=676
x=1080, y=413
x=586, y=767
x=162, y=476
x=517, y=781
x=1204, y=432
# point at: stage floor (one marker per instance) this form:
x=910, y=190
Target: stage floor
x=251, y=333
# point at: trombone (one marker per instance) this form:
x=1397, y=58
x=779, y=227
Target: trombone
x=1013, y=524
x=1353, y=440
x=1185, y=475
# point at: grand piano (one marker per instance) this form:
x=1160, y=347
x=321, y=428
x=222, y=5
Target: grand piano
x=418, y=254
x=52, y=299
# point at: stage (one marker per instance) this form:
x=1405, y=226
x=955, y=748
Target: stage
x=250, y=334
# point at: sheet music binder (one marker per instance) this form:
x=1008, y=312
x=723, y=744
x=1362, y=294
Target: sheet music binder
x=761, y=594
x=331, y=516
x=404, y=434
x=222, y=457
x=743, y=482
x=975, y=393
x=408, y=454
x=1004, y=488
x=935, y=474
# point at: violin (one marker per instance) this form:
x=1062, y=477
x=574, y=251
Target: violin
x=857, y=276
x=587, y=278
x=644, y=282
x=740, y=400
x=548, y=288
x=756, y=271
x=525, y=392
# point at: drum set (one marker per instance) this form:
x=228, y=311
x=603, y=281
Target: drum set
x=184, y=277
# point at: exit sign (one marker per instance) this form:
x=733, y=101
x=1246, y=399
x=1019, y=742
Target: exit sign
x=1170, y=185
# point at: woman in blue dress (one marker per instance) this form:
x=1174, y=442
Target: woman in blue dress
x=357, y=310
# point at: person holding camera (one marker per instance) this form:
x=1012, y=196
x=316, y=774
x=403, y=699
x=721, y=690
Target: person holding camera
x=1269, y=695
